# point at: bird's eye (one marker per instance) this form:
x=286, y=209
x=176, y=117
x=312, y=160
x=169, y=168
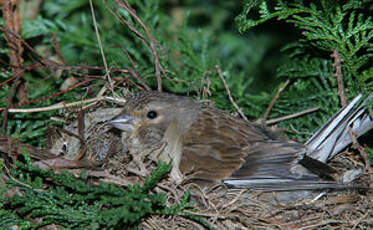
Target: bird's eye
x=151, y=114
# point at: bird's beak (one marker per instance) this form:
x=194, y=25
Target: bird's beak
x=123, y=122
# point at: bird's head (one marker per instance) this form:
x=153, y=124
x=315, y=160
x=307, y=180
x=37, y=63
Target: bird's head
x=148, y=114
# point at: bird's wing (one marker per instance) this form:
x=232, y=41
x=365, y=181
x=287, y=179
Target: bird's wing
x=213, y=147
x=276, y=165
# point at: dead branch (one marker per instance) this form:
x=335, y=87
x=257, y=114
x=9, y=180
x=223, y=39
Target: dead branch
x=356, y=145
x=63, y=105
x=135, y=73
x=301, y=113
x=338, y=74
x=57, y=48
x=158, y=67
x=274, y=99
x=101, y=48
x=229, y=94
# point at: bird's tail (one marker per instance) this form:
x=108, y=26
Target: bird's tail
x=334, y=135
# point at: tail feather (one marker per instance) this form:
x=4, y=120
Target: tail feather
x=333, y=136
x=360, y=124
x=288, y=184
x=282, y=166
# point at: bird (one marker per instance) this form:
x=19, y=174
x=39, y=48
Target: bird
x=212, y=146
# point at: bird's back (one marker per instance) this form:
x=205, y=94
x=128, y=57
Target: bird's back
x=220, y=147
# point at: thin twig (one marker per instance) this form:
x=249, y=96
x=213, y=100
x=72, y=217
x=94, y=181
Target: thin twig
x=135, y=73
x=101, y=48
x=235, y=199
x=229, y=93
x=63, y=105
x=299, y=132
x=276, y=120
x=274, y=99
x=356, y=145
x=139, y=36
x=324, y=223
x=15, y=179
x=57, y=48
x=8, y=80
x=60, y=105
x=132, y=28
x=158, y=67
x=358, y=221
x=338, y=74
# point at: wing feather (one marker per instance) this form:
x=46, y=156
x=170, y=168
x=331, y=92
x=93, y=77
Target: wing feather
x=219, y=147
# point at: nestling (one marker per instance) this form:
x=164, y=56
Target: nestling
x=218, y=147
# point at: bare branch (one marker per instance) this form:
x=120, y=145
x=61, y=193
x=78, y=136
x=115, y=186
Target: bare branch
x=63, y=105
x=276, y=120
x=158, y=67
x=229, y=94
x=101, y=48
x=338, y=74
x=274, y=99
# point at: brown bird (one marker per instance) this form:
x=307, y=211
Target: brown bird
x=218, y=147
